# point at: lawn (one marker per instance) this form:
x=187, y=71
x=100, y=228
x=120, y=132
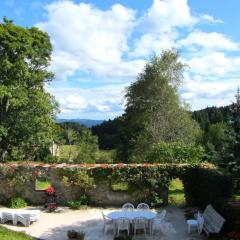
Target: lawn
x=6, y=234
x=41, y=185
x=176, y=195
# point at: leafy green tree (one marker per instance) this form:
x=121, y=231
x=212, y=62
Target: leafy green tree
x=219, y=141
x=154, y=112
x=27, y=111
x=83, y=146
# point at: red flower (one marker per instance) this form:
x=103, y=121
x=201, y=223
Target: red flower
x=104, y=165
x=50, y=190
x=51, y=207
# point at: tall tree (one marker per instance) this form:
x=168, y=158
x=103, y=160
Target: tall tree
x=26, y=109
x=236, y=125
x=154, y=111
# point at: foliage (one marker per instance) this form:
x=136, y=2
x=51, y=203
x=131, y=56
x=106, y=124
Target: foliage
x=157, y=200
x=205, y=186
x=82, y=145
x=72, y=234
x=7, y=234
x=203, y=183
x=212, y=115
x=76, y=204
x=235, y=122
x=17, y=202
x=75, y=177
x=106, y=156
x=154, y=112
x=219, y=142
x=176, y=195
x=176, y=152
x=26, y=109
x=108, y=133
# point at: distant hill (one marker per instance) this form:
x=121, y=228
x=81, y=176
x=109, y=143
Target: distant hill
x=86, y=122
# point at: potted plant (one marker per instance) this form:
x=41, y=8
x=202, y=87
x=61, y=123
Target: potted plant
x=72, y=234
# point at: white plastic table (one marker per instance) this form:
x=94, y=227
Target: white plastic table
x=132, y=214
x=149, y=215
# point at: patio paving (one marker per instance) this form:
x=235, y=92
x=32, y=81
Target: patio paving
x=53, y=226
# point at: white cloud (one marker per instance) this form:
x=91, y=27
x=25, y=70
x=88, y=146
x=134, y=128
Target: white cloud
x=211, y=41
x=210, y=19
x=100, y=101
x=206, y=93
x=89, y=38
x=214, y=64
x=111, y=46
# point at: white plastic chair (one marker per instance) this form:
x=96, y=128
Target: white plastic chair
x=158, y=221
x=196, y=223
x=7, y=216
x=108, y=223
x=128, y=206
x=122, y=224
x=140, y=223
x=142, y=206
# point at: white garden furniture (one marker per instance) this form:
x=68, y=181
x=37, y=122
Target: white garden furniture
x=128, y=206
x=158, y=221
x=142, y=206
x=23, y=216
x=196, y=223
x=140, y=223
x=213, y=221
x=122, y=224
x=108, y=223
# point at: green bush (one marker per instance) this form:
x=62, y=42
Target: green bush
x=76, y=204
x=176, y=152
x=17, y=202
x=205, y=186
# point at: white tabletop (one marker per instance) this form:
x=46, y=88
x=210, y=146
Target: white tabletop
x=131, y=214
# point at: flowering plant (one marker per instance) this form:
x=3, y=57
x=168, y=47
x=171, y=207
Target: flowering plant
x=50, y=190
x=51, y=207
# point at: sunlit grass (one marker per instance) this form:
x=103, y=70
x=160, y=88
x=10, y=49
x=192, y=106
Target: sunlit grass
x=176, y=195
x=6, y=234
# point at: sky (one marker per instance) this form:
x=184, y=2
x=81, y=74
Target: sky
x=100, y=47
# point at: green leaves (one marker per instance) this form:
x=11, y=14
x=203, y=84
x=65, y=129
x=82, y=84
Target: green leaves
x=26, y=110
x=154, y=111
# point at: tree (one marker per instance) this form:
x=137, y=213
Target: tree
x=154, y=112
x=219, y=141
x=27, y=111
x=82, y=145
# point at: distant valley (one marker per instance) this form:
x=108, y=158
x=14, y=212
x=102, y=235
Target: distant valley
x=86, y=122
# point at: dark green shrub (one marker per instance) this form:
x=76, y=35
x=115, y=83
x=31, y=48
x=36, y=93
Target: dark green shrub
x=176, y=152
x=76, y=204
x=17, y=202
x=205, y=186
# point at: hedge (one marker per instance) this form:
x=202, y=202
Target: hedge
x=203, y=183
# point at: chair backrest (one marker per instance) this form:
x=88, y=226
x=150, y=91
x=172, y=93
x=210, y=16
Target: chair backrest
x=200, y=221
x=104, y=217
x=162, y=215
x=213, y=221
x=142, y=206
x=140, y=221
x=122, y=222
x=128, y=206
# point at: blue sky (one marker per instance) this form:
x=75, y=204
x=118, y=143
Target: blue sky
x=101, y=45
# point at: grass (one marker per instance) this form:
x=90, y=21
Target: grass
x=6, y=234
x=122, y=186
x=42, y=185
x=70, y=152
x=176, y=195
